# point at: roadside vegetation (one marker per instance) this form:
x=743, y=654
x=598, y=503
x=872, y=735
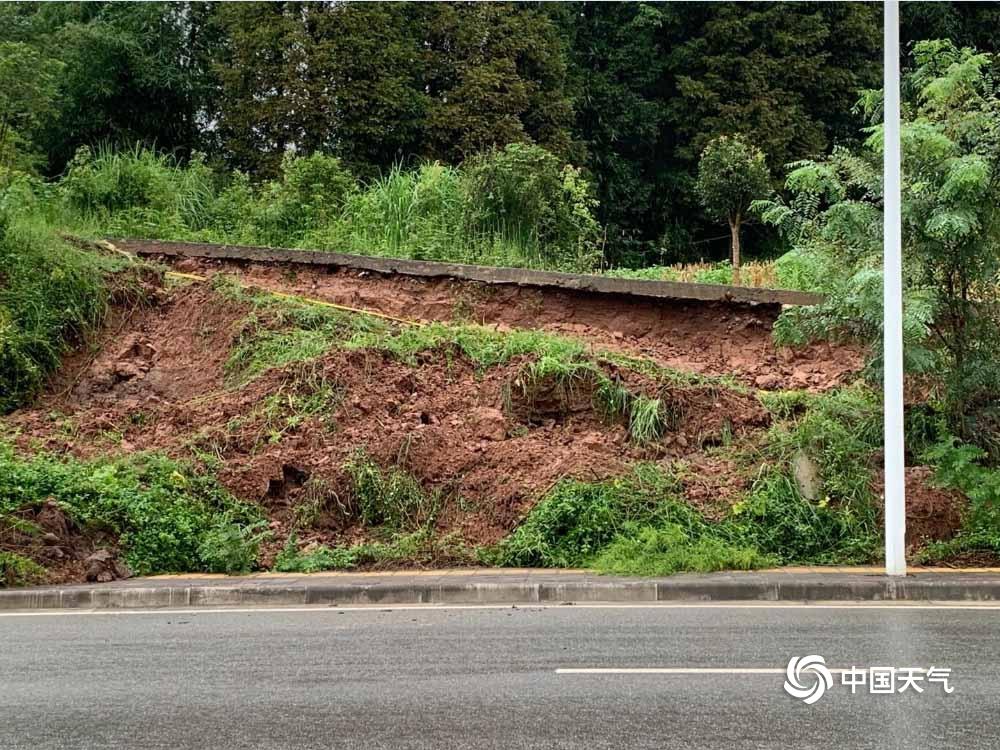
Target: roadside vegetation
x=163, y=516
x=563, y=167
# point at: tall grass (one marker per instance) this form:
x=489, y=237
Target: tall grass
x=416, y=214
x=51, y=294
x=137, y=192
x=515, y=207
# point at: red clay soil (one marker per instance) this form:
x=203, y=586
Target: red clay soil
x=932, y=513
x=706, y=338
x=157, y=382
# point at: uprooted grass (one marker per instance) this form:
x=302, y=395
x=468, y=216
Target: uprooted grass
x=398, y=513
x=302, y=391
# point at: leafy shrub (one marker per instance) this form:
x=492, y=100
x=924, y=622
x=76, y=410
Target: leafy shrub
x=232, y=547
x=778, y=521
x=311, y=193
x=961, y=467
x=17, y=570
x=166, y=518
x=841, y=432
x=524, y=195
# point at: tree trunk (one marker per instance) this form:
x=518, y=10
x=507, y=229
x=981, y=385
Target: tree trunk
x=734, y=228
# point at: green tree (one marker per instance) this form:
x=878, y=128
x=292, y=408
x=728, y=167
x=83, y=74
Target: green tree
x=785, y=74
x=951, y=223
x=379, y=83
x=27, y=97
x=496, y=74
x=617, y=78
x=653, y=83
x=951, y=234
x=130, y=72
x=731, y=174
x=343, y=78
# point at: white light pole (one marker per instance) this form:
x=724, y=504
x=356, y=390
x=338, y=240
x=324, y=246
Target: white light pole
x=892, y=255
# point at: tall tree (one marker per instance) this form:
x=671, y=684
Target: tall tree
x=27, y=99
x=731, y=174
x=496, y=74
x=618, y=69
x=127, y=74
x=338, y=77
x=785, y=74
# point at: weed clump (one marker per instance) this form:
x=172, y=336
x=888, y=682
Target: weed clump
x=416, y=547
x=650, y=550
x=391, y=497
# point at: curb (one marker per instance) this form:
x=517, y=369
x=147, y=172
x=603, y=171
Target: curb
x=713, y=588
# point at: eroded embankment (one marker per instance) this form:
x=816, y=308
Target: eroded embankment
x=707, y=338
x=496, y=437
x=310, y=413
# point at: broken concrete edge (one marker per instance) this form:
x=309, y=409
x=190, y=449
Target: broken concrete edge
x=671, y=290
x=874, y=588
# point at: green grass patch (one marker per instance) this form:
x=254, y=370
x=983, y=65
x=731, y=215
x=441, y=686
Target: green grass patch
x=576, y=520
x=416, y=547
x=657, y=551
x=165, y=517
x=51, y=295
x=391, y=497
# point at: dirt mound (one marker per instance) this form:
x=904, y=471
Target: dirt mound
x=705, y=338
x=932, y=513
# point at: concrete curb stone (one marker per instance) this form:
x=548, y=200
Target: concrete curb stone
x=532, y=587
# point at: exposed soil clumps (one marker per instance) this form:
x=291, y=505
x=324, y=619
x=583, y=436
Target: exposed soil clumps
x=705, y=338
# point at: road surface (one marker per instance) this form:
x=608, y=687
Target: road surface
x=417, y=677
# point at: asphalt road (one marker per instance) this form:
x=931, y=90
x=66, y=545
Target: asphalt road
x=487, y=677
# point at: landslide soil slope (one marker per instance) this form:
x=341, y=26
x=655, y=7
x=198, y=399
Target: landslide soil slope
x=157, y=380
